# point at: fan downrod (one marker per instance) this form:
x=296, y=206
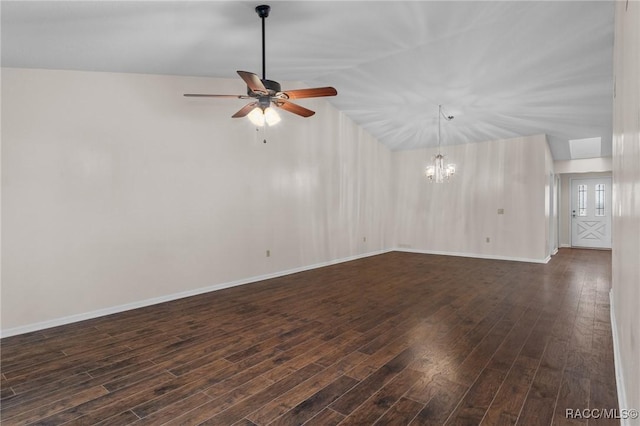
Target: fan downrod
x=263, y=13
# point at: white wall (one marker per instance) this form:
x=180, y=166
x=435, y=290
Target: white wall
x=625, y=294
x=585, y=165
x=117, y=190
x=551, y=217
x=457, y=217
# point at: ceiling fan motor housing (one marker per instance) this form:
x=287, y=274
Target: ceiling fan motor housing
x=264, y=102
x=272, y=87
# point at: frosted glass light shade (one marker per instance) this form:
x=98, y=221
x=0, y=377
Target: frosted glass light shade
x=256, y=116
x=259, y=117
x=271, y=116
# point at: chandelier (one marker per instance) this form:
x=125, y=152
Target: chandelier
x=438, y=172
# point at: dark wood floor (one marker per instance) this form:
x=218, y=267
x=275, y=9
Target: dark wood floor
x=396, y=339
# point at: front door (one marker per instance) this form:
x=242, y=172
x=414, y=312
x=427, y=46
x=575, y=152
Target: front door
x=591, y=213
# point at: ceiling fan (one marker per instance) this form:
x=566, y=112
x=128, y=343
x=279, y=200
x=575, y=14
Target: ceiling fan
x=268, y=92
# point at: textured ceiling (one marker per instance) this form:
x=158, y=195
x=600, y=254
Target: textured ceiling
x=503, y=69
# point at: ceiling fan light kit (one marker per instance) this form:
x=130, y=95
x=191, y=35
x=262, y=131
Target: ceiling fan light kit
x=268, y=94
x=260, y=117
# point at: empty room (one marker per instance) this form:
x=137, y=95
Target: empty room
x=320, y=213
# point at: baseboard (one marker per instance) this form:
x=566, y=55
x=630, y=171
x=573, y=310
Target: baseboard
x=565, y=245
x=154, y=301
x=475, y=255
x=622, y=395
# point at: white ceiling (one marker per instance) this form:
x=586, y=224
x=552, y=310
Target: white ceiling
x=502, y=68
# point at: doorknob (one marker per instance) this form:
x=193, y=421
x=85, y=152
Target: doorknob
x=573, y=213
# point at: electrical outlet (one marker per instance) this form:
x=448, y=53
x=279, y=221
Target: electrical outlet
x=500, y=211
x=488, y=239
x=364, y=239
x=268, y=253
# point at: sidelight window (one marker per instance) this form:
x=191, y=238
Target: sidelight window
x=600, y=199
x=582, y=200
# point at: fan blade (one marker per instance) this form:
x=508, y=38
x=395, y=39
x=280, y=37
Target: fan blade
x=253, y=82
x=311, y=93
x=245, y=110
x=294, y=108
x=200, y=95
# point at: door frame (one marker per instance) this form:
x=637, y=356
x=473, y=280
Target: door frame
x=569, y=210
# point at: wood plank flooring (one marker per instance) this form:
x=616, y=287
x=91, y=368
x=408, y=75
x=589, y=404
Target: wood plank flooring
x=393, y=339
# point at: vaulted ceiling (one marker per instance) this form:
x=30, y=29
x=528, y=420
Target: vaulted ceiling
x=502, y=68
